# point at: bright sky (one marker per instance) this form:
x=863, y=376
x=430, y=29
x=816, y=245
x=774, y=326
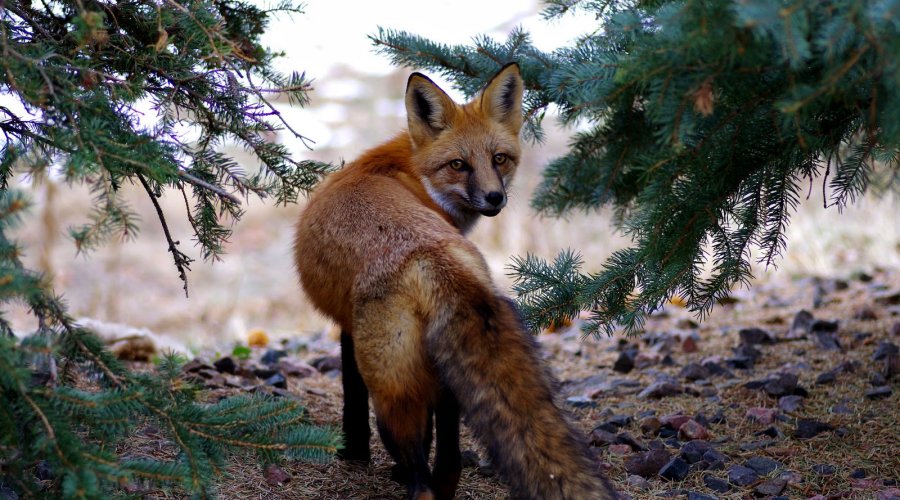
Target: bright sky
x=336, y=32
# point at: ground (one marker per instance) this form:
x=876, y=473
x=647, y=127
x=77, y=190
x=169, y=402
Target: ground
x=832, y=351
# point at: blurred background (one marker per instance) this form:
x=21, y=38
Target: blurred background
x=357, y=103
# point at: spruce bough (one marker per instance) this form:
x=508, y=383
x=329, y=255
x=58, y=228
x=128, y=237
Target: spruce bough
x=81, y=70
x=706, y=123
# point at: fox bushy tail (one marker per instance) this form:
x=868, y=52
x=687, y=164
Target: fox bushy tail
x=491, y=364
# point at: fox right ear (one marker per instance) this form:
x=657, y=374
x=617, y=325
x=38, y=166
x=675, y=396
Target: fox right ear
x=428, y=108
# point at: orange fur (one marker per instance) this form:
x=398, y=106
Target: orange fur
x=380, y=249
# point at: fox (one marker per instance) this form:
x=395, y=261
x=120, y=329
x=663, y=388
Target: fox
x=381, y=249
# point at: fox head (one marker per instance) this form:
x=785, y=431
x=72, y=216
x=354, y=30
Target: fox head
x=466, y=155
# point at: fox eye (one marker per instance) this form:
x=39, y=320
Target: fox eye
x=500, y=159
x=457, y=165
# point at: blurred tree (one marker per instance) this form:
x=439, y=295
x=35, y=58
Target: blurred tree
x=702, y=121
x=73, y=77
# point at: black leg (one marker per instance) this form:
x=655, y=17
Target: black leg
x=447, y=466
x=412, y=465
x=356, y=406
x=399, y=472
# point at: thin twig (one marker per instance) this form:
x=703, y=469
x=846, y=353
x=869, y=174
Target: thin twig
x=190, y=179
x=182, y=261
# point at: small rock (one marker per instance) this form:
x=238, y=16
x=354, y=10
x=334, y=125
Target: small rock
x=226, y=365
x=879, y=392
x=808, y=428
x=771, y=432
x=824, y=469
x=717, y=369
x=865, y=313
x=757, y=445
x=716, y=484
x=841, y=409
x=763, y=466
x=659, y=390
x=294, y=368
x=674, y=420
x=648, y=463
x=755, y=336
x=694, y=371
x=272, y=356
x=264, y=373
x=625, y=362
x=649, y=426
x=827, y=377
x=715, y=458
x=885, y=348
x=764, y=416
x=629, y=440
x=789, y=404
x=693, y=495
x=858, y=474
x=692, y=451
x=619, y=449
x=689, y=345
x=691, y=430
x=638, y=482
x=770, y=488
x=891, y=366
x=782, y=385
x=876, y=379
x=326, y=364
x=828, y=341
x=283, y=393
x=275, y=475
x=821, y=325
x=675, y=470
x=740, y=362
x=888, y=494
x=646, y=360
x=581, y=402
x=600, y=437
x=739, y=475
x=801, y=325
x=195, y=365
x=277, y=380
x=791, y=477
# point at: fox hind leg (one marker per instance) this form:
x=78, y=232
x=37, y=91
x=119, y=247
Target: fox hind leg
x=447, y=465
x=356, y=406
x=401, y=424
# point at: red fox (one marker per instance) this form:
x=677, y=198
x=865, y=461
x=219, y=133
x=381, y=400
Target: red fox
x=381, y=249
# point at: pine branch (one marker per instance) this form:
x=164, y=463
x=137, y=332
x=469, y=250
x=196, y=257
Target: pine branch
x=704, y=117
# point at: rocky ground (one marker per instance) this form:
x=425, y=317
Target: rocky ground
x=788, y=390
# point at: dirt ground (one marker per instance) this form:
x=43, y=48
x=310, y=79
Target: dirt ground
x=856, y=458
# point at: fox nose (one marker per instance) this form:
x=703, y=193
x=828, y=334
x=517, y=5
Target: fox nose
x=495, y=198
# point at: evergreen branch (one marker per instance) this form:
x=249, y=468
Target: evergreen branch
x=702, y=118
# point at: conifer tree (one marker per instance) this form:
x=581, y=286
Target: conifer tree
x=705, y=123
x=79, y=70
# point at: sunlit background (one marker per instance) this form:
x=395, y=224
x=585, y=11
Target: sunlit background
x=357, y=103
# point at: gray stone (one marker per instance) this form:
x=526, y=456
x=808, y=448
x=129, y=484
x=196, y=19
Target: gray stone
x=763, y=466
x=716, y=484
x=789, y=403
x=739, y=475
x=771, y=487
x=675, y=470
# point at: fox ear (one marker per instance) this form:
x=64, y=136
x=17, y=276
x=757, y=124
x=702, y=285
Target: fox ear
x=501, y=99
x=428, y=108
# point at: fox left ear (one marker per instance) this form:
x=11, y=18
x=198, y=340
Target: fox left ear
x=429, y=110
x=501, y=98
